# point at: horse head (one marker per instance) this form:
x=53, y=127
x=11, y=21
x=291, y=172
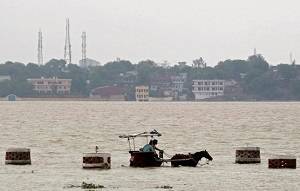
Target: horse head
x=205, y=154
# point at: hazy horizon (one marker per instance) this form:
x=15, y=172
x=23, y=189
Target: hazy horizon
x=159, y=30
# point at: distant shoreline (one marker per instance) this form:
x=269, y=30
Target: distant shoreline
x=107, y=100
x=57, y=99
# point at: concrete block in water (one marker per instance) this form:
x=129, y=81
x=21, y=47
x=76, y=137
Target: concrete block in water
x=246, y=155
x=283, y=162
x=96, y=160
x=18, y=156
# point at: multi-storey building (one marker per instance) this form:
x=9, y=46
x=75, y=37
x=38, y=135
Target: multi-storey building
x=178, y=82
x=51, y=85
x=160, y=83
x=142, y=93
x=204, y=89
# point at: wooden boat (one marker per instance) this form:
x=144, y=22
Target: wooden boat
x=144, y=159
x=139, y=158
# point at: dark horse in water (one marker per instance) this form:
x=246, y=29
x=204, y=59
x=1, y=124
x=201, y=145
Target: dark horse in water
x=189, y=159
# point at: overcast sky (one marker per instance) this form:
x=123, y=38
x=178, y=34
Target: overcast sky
x=173, y=30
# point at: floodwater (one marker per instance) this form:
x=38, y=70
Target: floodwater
x=58, y=133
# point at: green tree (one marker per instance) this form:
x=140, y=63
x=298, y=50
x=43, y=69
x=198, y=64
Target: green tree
x=34, y=71
x=146, y=69
x=258, y=64
x=54, y=68
x=264, y=87
x=232, y=69
x=15, y=70
x=295, y=87
x=286, y=71
x=79, y=78
x=115, y=68
x=19, y=88
x=110, y=73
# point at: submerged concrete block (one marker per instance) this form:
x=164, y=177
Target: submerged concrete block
x=96, y=160
x=283, y=162
x=246, y=155
x=18, y=156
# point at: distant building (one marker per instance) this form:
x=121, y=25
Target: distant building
x=203, y=89
x=51, y=85
x=178, y=82
x=108, y=93
x=4, y=78
x=160, y=84
x=142, y=93
x=88, y=63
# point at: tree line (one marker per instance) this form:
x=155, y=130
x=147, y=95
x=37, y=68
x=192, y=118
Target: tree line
x=255, y=76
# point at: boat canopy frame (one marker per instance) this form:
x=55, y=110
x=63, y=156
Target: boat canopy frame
x=131, y=137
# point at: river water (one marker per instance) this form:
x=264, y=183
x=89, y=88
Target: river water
x=58, y=133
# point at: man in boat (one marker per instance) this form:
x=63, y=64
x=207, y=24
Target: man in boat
x=151, y=147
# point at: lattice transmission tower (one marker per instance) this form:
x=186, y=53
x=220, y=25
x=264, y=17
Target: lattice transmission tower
x=83, y=50
x=40, y=48
x=68, y=52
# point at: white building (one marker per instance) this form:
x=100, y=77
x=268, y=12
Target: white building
x=203, y=89
x=142, y=93
x=178, y=82
x=51, y=85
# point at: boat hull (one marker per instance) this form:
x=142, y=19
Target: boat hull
x=144, y=159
